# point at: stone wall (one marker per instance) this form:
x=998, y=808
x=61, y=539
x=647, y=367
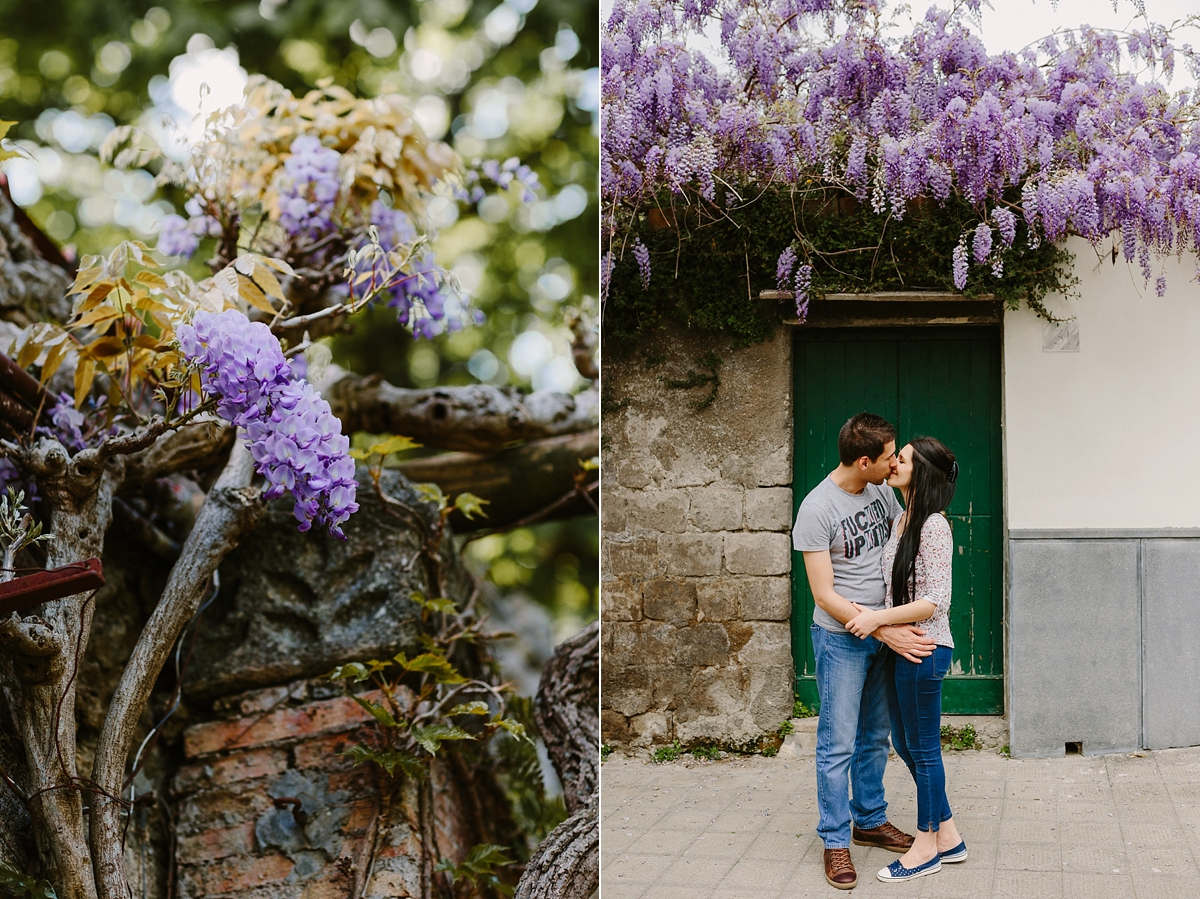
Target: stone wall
x=696, y=514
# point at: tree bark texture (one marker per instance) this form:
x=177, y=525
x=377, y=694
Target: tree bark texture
x=567, y=864
x=518, y=482
x=477, y=418
x=230, y=511
x=46, y=664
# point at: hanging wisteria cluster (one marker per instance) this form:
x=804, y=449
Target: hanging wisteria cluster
x=1076, y=135
x=296, y=441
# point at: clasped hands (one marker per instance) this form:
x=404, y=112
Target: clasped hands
x=865, y=623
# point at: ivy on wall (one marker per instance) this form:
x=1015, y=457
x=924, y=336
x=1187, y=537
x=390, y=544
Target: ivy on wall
x=709, y=261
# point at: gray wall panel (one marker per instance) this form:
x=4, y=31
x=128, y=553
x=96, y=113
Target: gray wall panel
x=1074, y=646
x=1171, y=643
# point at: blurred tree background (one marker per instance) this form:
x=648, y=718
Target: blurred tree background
x=515, y=78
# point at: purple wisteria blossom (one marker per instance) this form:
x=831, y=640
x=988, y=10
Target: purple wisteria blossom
x=783, y=268
x=803, y=284
x=175, y=238
x=1080, y=126
x=296, y=441
x=642, y=254
x=306, y=202
x=960, y=265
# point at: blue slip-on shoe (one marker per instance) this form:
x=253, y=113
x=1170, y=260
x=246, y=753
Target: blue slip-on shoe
x=896, y=872
x=957, y=854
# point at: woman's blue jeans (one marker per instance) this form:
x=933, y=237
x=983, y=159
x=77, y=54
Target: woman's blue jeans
x=915, y=694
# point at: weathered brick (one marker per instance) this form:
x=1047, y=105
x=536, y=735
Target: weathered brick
x=704, y=644
x=313, y=719
x=759, y=553
x=650, y=728
x=220, y=842
x=664, y=511
x=223, y=806
x=717, y=507
x=764, y=598
x=626, y=690
x=614, y=727
x=769, y=644
x=620, y=600
x=667, y=600
x=687, y=470
x=232, y=874
x=635, y=471
x=638, y=557
x=325, y=752
x=234, y=768
x=691, y=555
x=769, y=509
x=716, y=599
x=614, y=506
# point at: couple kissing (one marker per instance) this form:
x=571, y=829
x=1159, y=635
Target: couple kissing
x=880, y=577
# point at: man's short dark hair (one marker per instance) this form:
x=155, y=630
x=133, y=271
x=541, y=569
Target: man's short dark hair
x=864, y=435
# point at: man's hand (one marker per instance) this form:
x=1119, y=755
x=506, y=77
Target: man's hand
x=906, y=640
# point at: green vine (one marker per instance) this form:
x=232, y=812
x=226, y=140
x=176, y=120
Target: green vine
x=710, y=261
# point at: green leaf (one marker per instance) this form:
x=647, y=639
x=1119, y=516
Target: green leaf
x=355, y=670
x=394, y=445
x=432, y=663
x=514, y=727
x=435, y=605
x=432, y=493
x=378, y=712
x=470, y=505
x=590, y=464
x=432, y=736
x=409, y=764
x=469, y=708
x=8, y=154
x=24, y=885
x=485, y=856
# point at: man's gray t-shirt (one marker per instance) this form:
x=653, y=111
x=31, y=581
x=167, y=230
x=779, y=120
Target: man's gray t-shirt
x=854, y=528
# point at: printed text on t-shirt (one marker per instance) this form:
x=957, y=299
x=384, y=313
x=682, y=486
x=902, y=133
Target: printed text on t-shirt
x=867, y=526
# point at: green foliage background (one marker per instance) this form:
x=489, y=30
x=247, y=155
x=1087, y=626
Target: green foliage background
x=709, y=262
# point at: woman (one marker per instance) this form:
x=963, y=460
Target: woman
x=916, y=567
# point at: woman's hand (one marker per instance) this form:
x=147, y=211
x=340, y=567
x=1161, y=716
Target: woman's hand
x=864, y=623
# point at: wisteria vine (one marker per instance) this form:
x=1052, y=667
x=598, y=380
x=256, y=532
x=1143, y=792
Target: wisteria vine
x=296, y=441
x=1076, y=135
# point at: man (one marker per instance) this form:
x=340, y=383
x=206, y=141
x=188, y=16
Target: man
x=841, y=528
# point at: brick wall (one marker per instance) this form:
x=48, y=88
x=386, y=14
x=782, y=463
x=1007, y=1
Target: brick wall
x=285, y=742
x=695, y=592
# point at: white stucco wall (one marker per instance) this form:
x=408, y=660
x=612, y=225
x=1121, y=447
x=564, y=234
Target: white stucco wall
x=1108, y=437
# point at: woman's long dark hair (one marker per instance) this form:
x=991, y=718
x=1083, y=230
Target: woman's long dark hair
x=930, y=491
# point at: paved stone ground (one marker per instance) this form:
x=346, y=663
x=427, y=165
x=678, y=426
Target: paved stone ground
x=1101, y=827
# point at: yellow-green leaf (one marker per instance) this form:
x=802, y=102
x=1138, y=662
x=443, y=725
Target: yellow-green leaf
x=106, y=347
x=470, y=708
x=151, y=279
x=8, y=154
x=394, y=445
x=54, y=359
x=470, y=505
x=99, y=316
x=85, y=372
x=252, y=294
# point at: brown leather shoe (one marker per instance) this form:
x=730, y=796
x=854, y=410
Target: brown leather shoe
x=839, y=870
x=885, y=836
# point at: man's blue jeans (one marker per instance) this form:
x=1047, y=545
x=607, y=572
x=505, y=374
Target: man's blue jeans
x=852, y=733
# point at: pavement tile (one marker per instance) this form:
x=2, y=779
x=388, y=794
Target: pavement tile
x=956, y=882
x=1165, y=887
x=1094, y=860
x=1023, y=830
x=754, y=874
x=780, y=845
x=1098, y=886
x=1029, y=857
x=698, y=871
x=1104, y=835
x=631, y=868
x=1027, y=885
x=720, y=844
x=1075, y=827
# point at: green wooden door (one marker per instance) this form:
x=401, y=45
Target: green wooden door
x=943, y=382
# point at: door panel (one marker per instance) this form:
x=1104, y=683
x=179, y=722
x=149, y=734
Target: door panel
x=944, y=382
